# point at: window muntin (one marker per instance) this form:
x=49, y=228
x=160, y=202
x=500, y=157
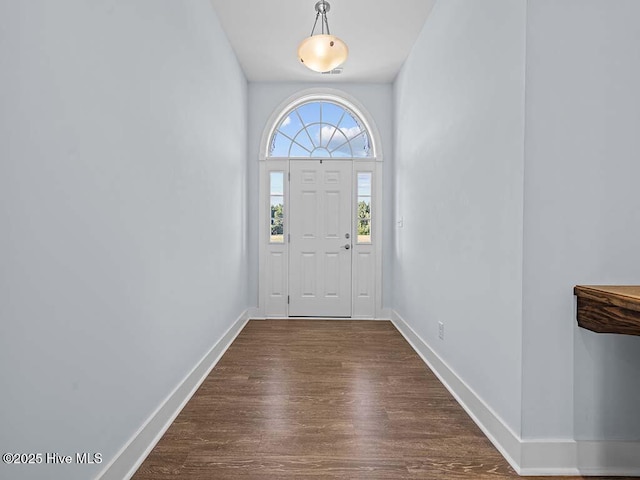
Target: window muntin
x=276, y=203
x=320, y=129
x=363, y=215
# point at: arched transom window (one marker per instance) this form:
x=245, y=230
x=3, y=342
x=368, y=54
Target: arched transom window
x=322, y=129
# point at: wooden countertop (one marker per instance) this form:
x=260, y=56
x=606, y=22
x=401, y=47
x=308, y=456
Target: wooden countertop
x=609, y=308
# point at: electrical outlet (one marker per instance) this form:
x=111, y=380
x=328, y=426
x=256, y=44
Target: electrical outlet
x=441, y=330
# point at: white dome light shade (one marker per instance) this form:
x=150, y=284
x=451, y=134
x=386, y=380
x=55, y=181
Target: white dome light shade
x=322, y=53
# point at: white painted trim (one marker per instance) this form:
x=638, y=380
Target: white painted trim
x=346, y=100
x=262, y=239
x=544, y=457
x=548, y=457
x=503, y=438
x=609, y=458
x=338, y=319
x=319, y=94
x=264, y=247
x=378, y=198
x=134, y=452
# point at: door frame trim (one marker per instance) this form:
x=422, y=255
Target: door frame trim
x=276, y=307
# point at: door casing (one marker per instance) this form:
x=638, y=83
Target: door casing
x=273, y=259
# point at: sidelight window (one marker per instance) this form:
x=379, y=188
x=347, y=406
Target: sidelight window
x=363, y=219
x=276, y=194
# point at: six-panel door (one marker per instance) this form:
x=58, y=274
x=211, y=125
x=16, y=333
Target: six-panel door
x=320, y=245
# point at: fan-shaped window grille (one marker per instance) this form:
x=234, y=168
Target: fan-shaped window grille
x=320, y=129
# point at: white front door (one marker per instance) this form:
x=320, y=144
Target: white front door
x=320, y=246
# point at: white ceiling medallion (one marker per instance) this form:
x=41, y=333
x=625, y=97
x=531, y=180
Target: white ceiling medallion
x=322, y=52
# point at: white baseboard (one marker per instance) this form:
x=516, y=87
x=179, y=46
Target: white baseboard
x=609, y=458
x=131, y=456
x=548, y=457
x=579, y=457
x=527, y=457
x=258, y=314
x=338, y=319
x=504, y=439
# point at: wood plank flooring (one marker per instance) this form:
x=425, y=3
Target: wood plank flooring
x=325, y=400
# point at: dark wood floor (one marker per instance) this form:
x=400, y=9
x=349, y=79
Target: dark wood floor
x=322, y=399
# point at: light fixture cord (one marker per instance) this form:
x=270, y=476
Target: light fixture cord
x=314, y=24
x=324, y=22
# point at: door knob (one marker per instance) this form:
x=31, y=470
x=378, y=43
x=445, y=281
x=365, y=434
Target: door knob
x=347, y=246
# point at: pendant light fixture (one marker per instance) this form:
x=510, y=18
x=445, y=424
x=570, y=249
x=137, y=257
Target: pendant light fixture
x=322, y=52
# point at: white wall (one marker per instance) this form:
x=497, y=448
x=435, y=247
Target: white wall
x=122, y=215
x=582, y=215
x=264, y=99
x=459, y=132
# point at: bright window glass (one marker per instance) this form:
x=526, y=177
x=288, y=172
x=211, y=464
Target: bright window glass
x=363, y=219
x=276, y=196
x=320, y=129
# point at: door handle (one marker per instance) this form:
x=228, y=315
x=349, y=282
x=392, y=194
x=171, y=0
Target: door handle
x=346, y=247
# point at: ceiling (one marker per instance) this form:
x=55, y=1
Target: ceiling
x=265, y=36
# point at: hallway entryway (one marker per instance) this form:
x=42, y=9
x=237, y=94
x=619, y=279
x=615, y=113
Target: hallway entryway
x=320, y=217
